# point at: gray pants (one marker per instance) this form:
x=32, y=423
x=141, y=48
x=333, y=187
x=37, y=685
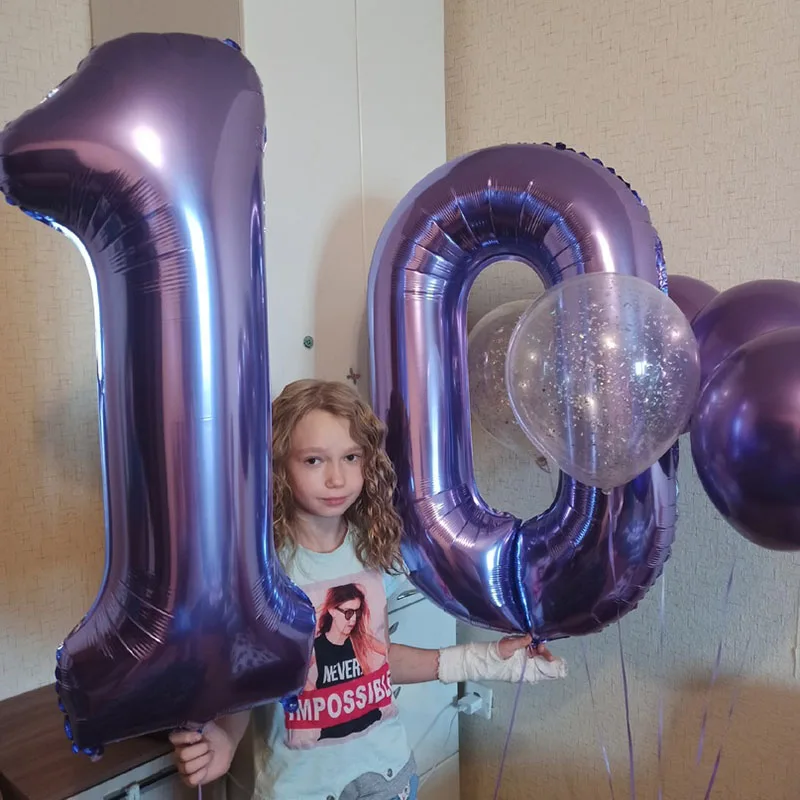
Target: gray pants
x=374, y=786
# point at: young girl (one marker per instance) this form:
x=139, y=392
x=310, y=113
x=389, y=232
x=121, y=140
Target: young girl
x=338, y=536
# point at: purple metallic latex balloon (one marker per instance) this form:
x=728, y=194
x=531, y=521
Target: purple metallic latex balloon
x=150, y=158
x=591, y=556
x=746, y=440
x=741, y=314
x=691, y=295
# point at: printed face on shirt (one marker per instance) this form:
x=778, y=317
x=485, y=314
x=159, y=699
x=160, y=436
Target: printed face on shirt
x=345, y=617
x=324, y=466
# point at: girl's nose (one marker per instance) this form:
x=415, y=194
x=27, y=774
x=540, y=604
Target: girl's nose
x=334, y=476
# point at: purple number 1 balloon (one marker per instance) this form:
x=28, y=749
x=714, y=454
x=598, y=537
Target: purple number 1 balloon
x=591, y=556
x=149, y=158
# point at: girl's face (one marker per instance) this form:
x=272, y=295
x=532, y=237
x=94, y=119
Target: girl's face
x=324, y=467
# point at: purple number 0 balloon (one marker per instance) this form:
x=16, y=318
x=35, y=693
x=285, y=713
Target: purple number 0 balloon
x=150, y=158
x=590, y=557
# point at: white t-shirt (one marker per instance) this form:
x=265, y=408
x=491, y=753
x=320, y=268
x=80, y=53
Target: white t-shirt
x=347, y=722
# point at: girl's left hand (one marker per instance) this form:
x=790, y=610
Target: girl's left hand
x=511, y=659
x=508, y=646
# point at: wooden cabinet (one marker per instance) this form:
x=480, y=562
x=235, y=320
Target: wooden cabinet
x=37, y=762
x=155, y=780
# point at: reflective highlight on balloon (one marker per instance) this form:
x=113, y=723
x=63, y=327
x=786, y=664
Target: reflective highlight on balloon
x=149, y=158
x=603, y=374
x=590, y=557
x=487, y=349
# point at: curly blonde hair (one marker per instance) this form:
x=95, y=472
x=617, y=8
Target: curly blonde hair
x=375, y=524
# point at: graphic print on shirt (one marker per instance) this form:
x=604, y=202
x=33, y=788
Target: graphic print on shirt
x=348, y=687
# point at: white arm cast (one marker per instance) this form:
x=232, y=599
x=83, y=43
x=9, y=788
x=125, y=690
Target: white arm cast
x=479, y=661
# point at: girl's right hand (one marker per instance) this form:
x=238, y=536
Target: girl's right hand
x=202, y=757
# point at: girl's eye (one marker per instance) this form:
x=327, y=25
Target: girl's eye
x=352, y=458
x=313, y=461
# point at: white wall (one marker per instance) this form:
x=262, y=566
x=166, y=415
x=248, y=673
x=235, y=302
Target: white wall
x=698, y=106
x=353, y=121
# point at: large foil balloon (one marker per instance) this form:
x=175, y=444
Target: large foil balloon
x=487, y=348
x=740, y=315
x=590, y=557
x=603, y=374
x=149, y=158
x=691, y=295
x=746, y=439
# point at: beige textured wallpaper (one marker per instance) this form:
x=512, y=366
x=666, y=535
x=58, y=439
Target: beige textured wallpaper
x=51, y=526
x=697, y=105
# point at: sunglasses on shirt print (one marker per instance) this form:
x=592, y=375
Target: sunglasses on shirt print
x=348, y=613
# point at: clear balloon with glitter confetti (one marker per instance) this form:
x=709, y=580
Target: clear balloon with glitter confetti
x=603, y=374
x=489, y=402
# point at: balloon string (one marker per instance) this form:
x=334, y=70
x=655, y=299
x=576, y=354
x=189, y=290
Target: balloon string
x=598, y=736
x=623, y=668
x=631, y=762
x=508, y=735
x=713, y=774
x=662, y=631
x=717, y=662
x=731, y=708
x=199, y=788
